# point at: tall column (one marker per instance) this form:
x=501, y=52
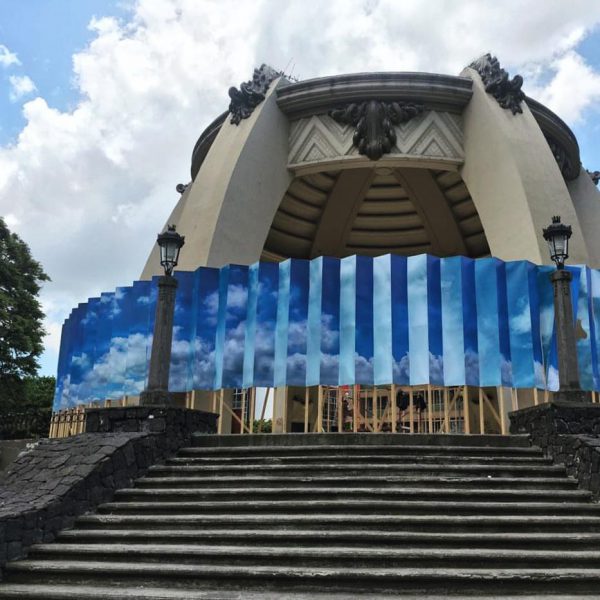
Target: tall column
x=568, y=369
x=157, y=390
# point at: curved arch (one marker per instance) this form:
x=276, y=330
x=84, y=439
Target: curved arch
x=514, y=180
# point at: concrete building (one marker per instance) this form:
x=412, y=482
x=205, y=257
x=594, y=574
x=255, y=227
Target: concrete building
x=376, y=163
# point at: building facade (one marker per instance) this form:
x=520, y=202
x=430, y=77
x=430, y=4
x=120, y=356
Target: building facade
x=369, y=249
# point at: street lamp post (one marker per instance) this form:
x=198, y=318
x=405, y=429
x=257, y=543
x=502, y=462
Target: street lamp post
x=557, y=235
x=157, y=390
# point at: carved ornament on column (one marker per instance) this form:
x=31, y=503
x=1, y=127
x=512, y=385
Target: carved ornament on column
x=507, y=92
x=373, y=122
x=595, y=176
x=565, y=164
x=251, y=94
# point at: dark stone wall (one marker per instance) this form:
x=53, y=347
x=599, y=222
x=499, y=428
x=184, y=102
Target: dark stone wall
x=9, y=450
x=567, y=432
x=175, y=424
x=49, y=486
x=581, y=455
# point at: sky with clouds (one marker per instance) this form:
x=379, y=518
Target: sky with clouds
x=101, y=101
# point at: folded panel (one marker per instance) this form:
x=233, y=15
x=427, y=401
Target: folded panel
x=249, y=346
x=313, y=343
x=236, y=310
x=382, y=320
x=470, y=330
x=583, y=334
x=453, y=340
x=330, y=321
x=506, y=374
x=266, y=323
x=206, y=317
x=434, y=321
x=297, y=337
x=520, y=325
x=142, y=301
x=364, y=350
x=281, y=334
x=400, y=335
x=488, y=335
x=418, y=333
x=347, y=320
x=594, y=290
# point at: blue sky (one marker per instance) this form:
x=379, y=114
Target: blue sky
x=44, y=34
x=101, y=101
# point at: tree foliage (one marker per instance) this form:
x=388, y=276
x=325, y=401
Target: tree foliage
x=21, y=330
x=39, y=391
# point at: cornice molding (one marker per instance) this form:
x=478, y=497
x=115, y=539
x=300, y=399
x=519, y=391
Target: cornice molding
x=316, y=96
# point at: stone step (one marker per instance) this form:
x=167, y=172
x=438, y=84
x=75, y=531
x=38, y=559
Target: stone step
x=379, y=479
x=341, y=450
x=314, y=556
x=348, y=439
x=260, y=577
x=317, y=492
x=355, y=469
x=86, y=592
x=275, y=537
x=352, y=506
x=442, y=523
x=338, y=458
x=352, y=468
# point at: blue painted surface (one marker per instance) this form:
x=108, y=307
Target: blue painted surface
x=392, y=319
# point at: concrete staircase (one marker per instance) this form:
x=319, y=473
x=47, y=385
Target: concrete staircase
x=331, y=515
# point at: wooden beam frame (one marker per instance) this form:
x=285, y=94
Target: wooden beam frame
x=466, y=410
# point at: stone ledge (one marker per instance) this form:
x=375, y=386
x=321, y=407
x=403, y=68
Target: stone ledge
x=581, y=456
x=567, y=432
x=49, y=486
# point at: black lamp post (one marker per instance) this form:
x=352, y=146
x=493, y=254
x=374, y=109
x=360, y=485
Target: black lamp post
x=557, y=235
x=157, y=390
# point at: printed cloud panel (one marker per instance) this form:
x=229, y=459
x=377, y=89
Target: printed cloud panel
x=356, y=320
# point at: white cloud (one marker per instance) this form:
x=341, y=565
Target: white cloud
x=574, y=87
x=89, y=188
x=11, y=221
x=8, y=58
x=20, y=86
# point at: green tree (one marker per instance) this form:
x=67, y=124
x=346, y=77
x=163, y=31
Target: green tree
x=21, y=330
x=39, y=391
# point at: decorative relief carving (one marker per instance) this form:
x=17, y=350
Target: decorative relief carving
x=251, y=94
x=595, y=176
x=431, y=134
x=507, y=92
x=373, y=121
x=565, y=164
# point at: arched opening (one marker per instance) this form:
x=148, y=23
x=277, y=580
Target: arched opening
x=375, y=211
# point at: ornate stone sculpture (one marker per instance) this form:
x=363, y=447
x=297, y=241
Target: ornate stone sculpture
x=373, y=122
x=565, y=164
x=507, y=92
x=595, y=175
x=251, y=94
